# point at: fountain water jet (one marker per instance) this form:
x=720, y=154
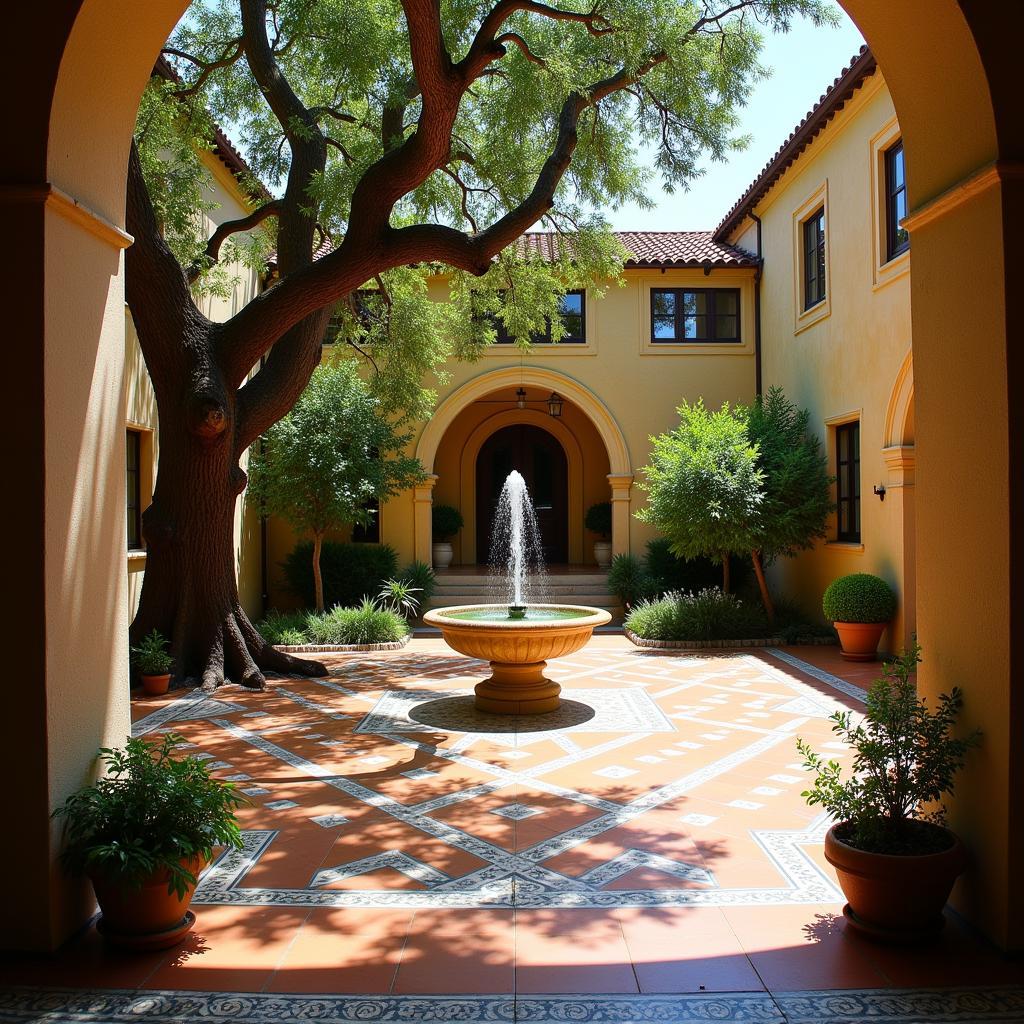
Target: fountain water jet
x=517, y=637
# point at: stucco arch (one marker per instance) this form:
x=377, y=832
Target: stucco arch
x=952, y=70
x=899, y=412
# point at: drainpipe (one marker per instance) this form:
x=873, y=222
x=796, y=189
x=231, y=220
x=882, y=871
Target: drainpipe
x=757, y=306
x=264, y=592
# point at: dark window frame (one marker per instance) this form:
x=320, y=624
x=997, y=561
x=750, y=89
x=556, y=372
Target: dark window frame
x=502, y=337
x=848, y=483
x=897, y=239
x=133, y=487
x=711, y=316
x=334, y=323
x=814, y=272
x=368, y=534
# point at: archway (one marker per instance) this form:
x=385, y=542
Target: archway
x=952, y=71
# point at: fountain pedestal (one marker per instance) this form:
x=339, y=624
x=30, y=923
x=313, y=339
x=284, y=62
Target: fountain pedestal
x=517, y=690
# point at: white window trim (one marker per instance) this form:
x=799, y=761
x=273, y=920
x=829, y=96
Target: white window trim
x=804, y=318
x=883, y=270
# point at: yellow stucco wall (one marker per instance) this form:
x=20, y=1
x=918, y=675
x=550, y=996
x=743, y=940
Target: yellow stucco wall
x=851, y=358
x=140, y=401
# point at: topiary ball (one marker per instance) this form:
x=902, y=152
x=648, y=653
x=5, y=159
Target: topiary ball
x=859, y=597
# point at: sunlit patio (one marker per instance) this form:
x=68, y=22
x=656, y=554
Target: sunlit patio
x=642, y=854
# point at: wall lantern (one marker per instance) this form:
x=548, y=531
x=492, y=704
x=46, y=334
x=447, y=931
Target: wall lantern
x=555, y=404
x=520, y=399
x=880, y=491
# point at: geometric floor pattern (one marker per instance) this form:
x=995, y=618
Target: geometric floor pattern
x=642, y=855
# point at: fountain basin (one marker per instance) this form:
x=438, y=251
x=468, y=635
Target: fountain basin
x=518, y=649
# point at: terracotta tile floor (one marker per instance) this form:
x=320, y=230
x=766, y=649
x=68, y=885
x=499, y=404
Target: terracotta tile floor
x=649, y=840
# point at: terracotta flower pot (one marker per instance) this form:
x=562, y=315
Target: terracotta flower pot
x=895, y=898
x=858, y=641
x=156, y=685
x=146, y=916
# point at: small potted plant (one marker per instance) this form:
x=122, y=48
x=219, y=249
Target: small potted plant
x=142, y=834
x=860, y=606
x=895, y=859
x=599, y=520
x=153, y=662
x=446, y=522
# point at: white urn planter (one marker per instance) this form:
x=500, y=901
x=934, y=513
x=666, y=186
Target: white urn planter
x=603, y=553
x=441, y=553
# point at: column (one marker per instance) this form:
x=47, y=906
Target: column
x=423, y=504
x=620, y=484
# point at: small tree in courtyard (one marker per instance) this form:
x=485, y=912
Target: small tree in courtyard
x=797, y=501
x=704, y=486
x=323, y=464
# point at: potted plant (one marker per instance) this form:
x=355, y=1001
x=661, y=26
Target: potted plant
x=142, y=834
x=860, y=606
x=153, y=662
x=895, y=859
x=446, y=522
x=599, y=520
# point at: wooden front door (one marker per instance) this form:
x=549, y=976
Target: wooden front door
x=541, y=460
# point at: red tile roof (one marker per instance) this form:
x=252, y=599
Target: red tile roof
x=829, y=104
x=652, y=248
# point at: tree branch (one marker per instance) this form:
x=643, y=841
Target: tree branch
x=518, y=40
x=226, y=230
x=232, y=51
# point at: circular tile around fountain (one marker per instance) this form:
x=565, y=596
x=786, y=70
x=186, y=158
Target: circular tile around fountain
x=459, y=714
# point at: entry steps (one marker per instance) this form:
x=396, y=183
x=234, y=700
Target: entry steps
x=473, y=586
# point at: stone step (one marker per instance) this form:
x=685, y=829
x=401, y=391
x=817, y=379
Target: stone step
x=551, y=590
x=591, y=581
x=447, y=600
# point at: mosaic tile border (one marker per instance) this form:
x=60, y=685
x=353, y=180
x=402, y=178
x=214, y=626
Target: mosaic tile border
x=390, y=645
x=880, y=1006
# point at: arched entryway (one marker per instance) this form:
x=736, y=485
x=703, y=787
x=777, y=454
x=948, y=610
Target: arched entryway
x=540, y=458
x=952, y=68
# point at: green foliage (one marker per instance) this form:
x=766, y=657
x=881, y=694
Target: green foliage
x=350, y=571
x=796, y=499
x=287, y=628
x=703, y=484
x=365, y=624
x=627, y=579
x=599, y=519
x=859, y=597
x=666, y=571
x=445, y=522
x=151, y=657
x=905, y=760
x=399, y=596
x=335, y=453
x=792, y=626
x=422, y=576
x=148, y=813
x=706, y=615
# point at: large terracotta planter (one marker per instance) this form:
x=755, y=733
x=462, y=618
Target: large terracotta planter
x=441, y=554
x=146, y=916
x=891, y=898
x=859, y=640
x=156, y=685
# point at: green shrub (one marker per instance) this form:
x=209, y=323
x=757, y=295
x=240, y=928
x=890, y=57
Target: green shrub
x=365, y=624
x=792, y=626
x=599, y=519
x=148, y=813
x=422, y=576
x=859, y=597
x=283, y=627
x=706, y=615
x=445, y=522
x=350, y=571
x=627, y=580
x=151, y=657
x=668, y=572
x=399, y=596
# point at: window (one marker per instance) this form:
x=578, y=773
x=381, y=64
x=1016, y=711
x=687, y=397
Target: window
x=574, y=320
x=369, y=534
x=848, y=482
x=368, y=308
x=814, y=258
x=134, y=488
x=897, y=238
x=695, y=315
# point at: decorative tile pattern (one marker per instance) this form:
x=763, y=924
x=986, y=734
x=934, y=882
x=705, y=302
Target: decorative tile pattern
x=517, y=812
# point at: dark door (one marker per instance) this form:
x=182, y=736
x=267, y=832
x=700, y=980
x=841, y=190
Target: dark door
x=541, y=460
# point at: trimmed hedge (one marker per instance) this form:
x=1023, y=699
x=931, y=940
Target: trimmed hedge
x=859, y=597
x=599, y=519
x=445, y=522
x=706, y=615
x=350, y=572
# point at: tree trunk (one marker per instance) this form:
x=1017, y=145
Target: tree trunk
x=725, y=572
x=318, y=580
x=762, y=582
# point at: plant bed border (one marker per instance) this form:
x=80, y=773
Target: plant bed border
x=390, y=645
x=705, y=645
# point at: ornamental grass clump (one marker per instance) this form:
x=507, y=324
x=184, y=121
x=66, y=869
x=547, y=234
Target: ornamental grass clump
x=905, y=760
x=859, y=597
x=150, y=812
x=365, y=624
x=706, y=615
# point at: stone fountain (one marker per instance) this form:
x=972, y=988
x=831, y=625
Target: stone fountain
x=518, y=637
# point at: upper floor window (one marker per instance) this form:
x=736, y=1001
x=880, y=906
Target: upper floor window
x=368, y=533
x=897, y=238
x=368, y=306
x=133, y=467
x=573, y=314
x=814, y=258
x=695, y=315
x=848, y=482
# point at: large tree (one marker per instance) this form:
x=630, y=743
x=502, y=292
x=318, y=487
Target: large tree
x=413, y=135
